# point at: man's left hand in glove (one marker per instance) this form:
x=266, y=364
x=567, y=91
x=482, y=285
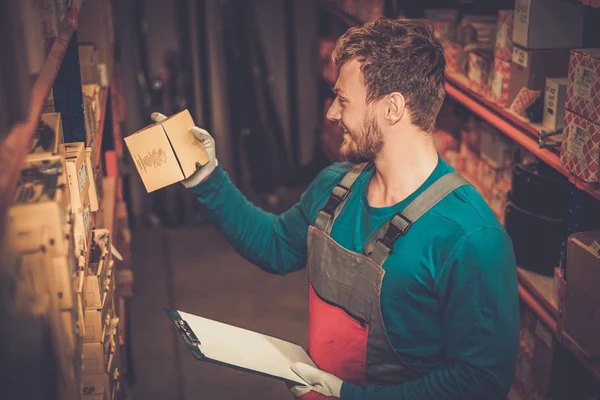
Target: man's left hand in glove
x=319, y=381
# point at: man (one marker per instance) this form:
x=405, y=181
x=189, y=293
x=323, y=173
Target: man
x=413, y=289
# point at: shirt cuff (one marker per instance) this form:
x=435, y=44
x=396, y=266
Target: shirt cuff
x=210, y=184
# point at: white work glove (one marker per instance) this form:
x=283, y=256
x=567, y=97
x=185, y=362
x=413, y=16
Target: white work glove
x=319, y=381
x=209, y=145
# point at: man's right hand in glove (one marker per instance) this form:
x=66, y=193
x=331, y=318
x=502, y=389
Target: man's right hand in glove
x=209, y=145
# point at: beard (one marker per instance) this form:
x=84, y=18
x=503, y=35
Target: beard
x=364, y=147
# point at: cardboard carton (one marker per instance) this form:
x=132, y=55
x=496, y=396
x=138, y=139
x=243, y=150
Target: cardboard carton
x=530, y=68
x=580, y=152
x=548, y=24
x=166, y=152
x=582, y=298
x=583, y=93
x=504, y=33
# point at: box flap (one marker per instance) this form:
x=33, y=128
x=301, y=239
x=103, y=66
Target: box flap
x=188, y=149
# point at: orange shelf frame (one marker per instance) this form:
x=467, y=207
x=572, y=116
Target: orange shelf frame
x=533, y=303
x=15, y=144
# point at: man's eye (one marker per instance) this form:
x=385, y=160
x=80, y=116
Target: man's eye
x=341, y=100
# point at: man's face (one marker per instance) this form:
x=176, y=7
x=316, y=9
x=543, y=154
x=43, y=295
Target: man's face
x=363, y=138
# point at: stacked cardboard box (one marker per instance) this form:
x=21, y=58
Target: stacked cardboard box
x=543, y=33
x=502, y=56
x=100, y=347
x=580, y=152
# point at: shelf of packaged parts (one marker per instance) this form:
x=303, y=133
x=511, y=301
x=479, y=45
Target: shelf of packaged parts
x=513, y=126
x=100, y=130
x=340, y=14
x=14, y=145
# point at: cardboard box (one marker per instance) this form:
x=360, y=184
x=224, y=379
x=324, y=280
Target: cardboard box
x=39, y=203
x=581, y=316
x=478, y=72
x=583, y=93
x=548, y=24
x=88, y=64
x=96, y=387
x=496, y=149
x=47, y=138
x=580, y=150
x=97, y=321
x=504, y=34
x=500, y=85
x=98, y=29
x=554, y=103
x=530, y=68
x=452, y=53
x=167, y=152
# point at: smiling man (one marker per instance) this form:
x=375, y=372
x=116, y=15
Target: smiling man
x=412, y=279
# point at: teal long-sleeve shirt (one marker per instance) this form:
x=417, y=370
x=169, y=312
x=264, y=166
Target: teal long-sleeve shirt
x=449, y=297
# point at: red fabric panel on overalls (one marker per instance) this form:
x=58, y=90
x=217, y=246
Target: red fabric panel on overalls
x=337, y=340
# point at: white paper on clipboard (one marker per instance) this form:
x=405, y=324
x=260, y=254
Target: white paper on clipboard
x=239, y=348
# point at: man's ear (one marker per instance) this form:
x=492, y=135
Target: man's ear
x=395, y=107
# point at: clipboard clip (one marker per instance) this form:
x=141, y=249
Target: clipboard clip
x=187, y=332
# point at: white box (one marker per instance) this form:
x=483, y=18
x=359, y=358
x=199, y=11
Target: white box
x=93, y=190
x=554, y=103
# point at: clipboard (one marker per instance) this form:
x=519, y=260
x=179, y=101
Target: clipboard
x=238, y=348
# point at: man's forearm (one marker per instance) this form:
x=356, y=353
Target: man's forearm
x=456, y=381
x=257, y=235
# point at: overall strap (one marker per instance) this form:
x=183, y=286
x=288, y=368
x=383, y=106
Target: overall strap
x=337, y=199
x=381, y=244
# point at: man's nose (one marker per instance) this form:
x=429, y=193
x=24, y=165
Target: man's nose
x=333, y=114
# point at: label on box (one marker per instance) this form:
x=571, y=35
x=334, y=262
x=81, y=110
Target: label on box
x=577, y=139
x=155, y=158
x=521, y=21
x=543, y=333
x=82, y=176
x=520, y=57
x=584, y=80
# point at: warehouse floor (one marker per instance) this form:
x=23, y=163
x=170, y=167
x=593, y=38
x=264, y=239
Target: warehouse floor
x=195, y=270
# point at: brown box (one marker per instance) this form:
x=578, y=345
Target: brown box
x=478, y=72
x=579, y=153
x=96, y=26
x=166, y=152
x=530, y=68
x=583, y=93
x=504, y=33
x=96, y=387
x=581, y=317
x=88, y=64
x=548, y=24
x=41, y=147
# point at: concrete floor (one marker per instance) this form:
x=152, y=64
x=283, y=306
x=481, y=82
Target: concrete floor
x=195, y=270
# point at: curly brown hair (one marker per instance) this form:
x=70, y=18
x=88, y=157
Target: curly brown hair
x=398, y=56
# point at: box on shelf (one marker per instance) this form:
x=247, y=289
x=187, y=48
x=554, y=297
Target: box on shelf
x=166, y=152
x=39, y=203
x=548, y=24
x=93, y=189
x=96, y=387
x=88, y=64
x=47, y=137
x=580, y=151
x=530, y=68
x=452, y=53
x=581, y=316
x=504, y=33
x=496, y=149
x=583, y=93
x=92, y=111
x=99, y=271
x=478, y=72
x=554, y=103
x=96, y=26
x=500, y=85
x=97, y=321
